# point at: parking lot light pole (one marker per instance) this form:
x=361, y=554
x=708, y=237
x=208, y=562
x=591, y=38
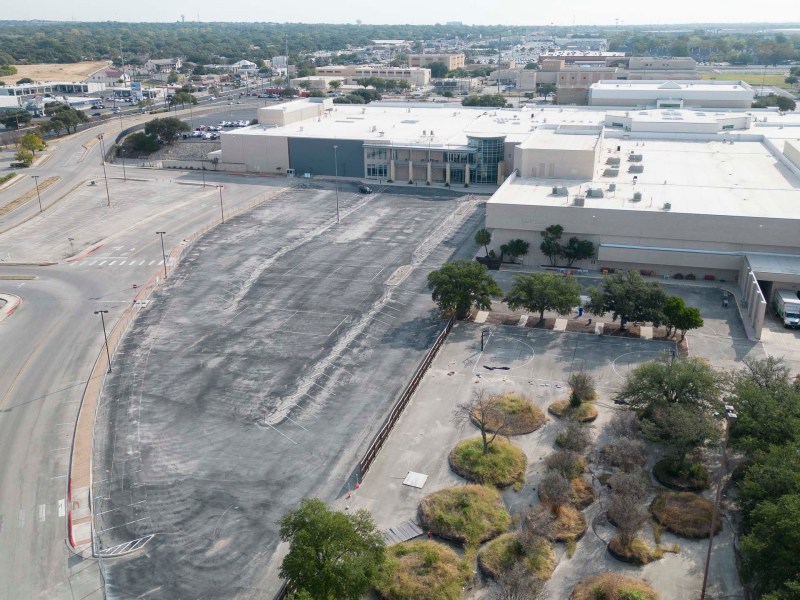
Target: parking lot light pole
x=36, y=179
x=163, y=253
x=105, y=336
x=336, y=173
x=221, y=210
x=485, y=333
x=105, y=175
x=730, y=417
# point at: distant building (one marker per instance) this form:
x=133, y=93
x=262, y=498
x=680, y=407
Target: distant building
x=163, y=65
x=451, y=61
x=582, y=43
x=109, y=76
x=415, y=76
x=52, y=87
x=645, y=67
x=672, y=94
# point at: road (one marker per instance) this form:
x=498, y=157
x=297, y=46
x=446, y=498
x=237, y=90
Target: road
x=48, y=345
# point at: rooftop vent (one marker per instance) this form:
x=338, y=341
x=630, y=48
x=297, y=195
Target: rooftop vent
x=635, y=158
x=636, y=169
x=595, y=193
x=613, y=160
x=667, y=205
x=637, y=196
x=612, y=187
x=559, y=190
x=579, y=201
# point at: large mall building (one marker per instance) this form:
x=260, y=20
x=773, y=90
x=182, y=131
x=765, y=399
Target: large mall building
x=698, y=193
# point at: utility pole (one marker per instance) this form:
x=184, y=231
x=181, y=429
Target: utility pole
x=124, y=174
x=36, y=179
x=105, y=336
x=221, y=210
x=105, y=175
x=163, y=253
x=336, y=172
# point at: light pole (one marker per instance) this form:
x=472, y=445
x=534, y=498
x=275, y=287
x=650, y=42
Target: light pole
x=36, y=179
x=163, y=253
x=730, y=417
x=221, y=210
x=105, y=176
x=485, y=333
x=105, y=336
x=336, y=173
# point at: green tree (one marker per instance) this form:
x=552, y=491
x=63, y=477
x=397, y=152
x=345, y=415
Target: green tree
x=629, y=298
x=65, y=117
x=774, y=473
x=539, y=292
x=438, y=70
x=12, y=119
x=516, y=248
x=551, y=243
x=785, y=104
x=771, y=548
x=24, y=156
x=165, y=130
x=483, y=238
x=488, y=100
x=576, y=250
x=172, y=77
x=332, y=555
x=24, y=80
x=532, y=66
x=335, y=84
x=461, y=284
x=182, y=98
x=6, y=70
x=141, y=142
x=32, y=142
x=791, y=80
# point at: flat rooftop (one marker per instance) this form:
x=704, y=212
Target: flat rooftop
x=553, y=139
x=695, y=177
x=696, y=85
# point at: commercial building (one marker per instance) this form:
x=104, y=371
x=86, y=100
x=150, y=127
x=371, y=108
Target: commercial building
x=451, y=61
x=645, y=67
x=672, y=94
x=109, y=76
x=52, y=87
x=163, y=65
x=415, y=76
x=582, y=43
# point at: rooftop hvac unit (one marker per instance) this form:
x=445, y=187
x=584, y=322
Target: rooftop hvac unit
x=579, y=200
x=595, y=193
x=612, y=187
x=634, y=158
x=612, y=160
x=636, y=169
x=667, y=205
x=637, y=196
x=559, y=190
x=611, y=172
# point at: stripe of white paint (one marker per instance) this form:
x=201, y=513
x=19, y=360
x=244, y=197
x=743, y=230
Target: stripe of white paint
x=42, y=511
x=62, y=508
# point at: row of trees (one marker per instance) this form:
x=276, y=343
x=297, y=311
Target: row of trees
x=488, y=100
x=381, y=84
x=28, y=145
x=573, y=251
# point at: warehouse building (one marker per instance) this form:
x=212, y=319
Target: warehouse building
x=672, y=94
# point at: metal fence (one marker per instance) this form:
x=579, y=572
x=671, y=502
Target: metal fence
x=375, y=447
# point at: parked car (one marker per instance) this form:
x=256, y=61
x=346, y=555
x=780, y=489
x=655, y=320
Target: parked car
x=365, y=189
x=96, y=114
x=19, y=165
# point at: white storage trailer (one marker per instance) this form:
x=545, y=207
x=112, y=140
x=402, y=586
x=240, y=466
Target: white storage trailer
x=787, y=306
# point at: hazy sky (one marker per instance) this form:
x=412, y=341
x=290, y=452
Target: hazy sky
x=517, y=12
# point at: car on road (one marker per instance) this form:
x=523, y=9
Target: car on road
x=96, y=114
x=365, y=189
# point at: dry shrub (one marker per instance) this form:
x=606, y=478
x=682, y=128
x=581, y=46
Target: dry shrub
x=625, y=453
x=613, y=586
x=686, y=514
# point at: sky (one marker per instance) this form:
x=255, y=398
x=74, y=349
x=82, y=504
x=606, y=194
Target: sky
x=479, y=12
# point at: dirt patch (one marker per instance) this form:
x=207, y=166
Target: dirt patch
x=581, y=326
x=583, y=494
x=613, y=586
x=518, y=415
x=28, y=196
x=585, y=413
x=70, y=72
x=686, y=514
x=533, y=321
x=496, y=318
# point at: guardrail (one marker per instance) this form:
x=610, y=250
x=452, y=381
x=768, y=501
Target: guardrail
x=382, y=435
x=80, y=471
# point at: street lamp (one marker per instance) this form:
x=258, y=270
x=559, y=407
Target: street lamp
x=36, y=179
x=105, y=176
x=105, y=336
x=336, y=172
x=485, y=333
x=221, y=210
x=163, y=253
x=730, y=417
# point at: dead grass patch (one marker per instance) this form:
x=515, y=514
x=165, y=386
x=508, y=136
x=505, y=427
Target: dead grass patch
x=685, y=514
x=519, y=415
x=570, y=524
x=585, y=413
x=502, y=466
x=637, y=552
x=422, y=570
x=502, y=553
x=613, y=586
x=470, y=514
x=583, y=494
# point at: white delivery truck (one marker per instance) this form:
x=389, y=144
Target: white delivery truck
x=787, y=305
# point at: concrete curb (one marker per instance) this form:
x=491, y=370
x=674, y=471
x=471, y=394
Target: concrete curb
x=11, y=182
x=12, y=303
x=86, y=252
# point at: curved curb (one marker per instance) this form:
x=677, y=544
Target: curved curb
x=12, y=303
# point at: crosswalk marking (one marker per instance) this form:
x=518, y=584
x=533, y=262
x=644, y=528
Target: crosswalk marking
x=122, y=262
x=102, y=263
x=62, y=508
x=42, y=512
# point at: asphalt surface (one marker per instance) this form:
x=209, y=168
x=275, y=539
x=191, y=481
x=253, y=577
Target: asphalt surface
x=256, y=377
x=50, y=342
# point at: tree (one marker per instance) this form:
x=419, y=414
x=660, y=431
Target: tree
x=483, y=238
x=624, y=424
x=32, y=142
x=517, y=247
x=629, y=298
x=532, y=66
x=551, y=244
x=165, y=130
x=13, y=119
x=517, y=583
x=287, y=92
x=570, y=464
x=331, y=555
x=791, y=80
x=689, y=318
x=628, y=514
x=539, y=292
x=771, y=548
x=573, y=436
x=335, y=84
x=141, y=142
x=182, y=98
x=24, y=80
x=774, y=473
x=785, y=104
x=438, y=70
x=484, y=412
x=172, y=77
x=555, y=491
x=25, y=157
x=581, y=388
x=625, y=453
x=672, y=310
x=576, y=250
x=461, y=284
x=682, y=427
x=487, y=100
